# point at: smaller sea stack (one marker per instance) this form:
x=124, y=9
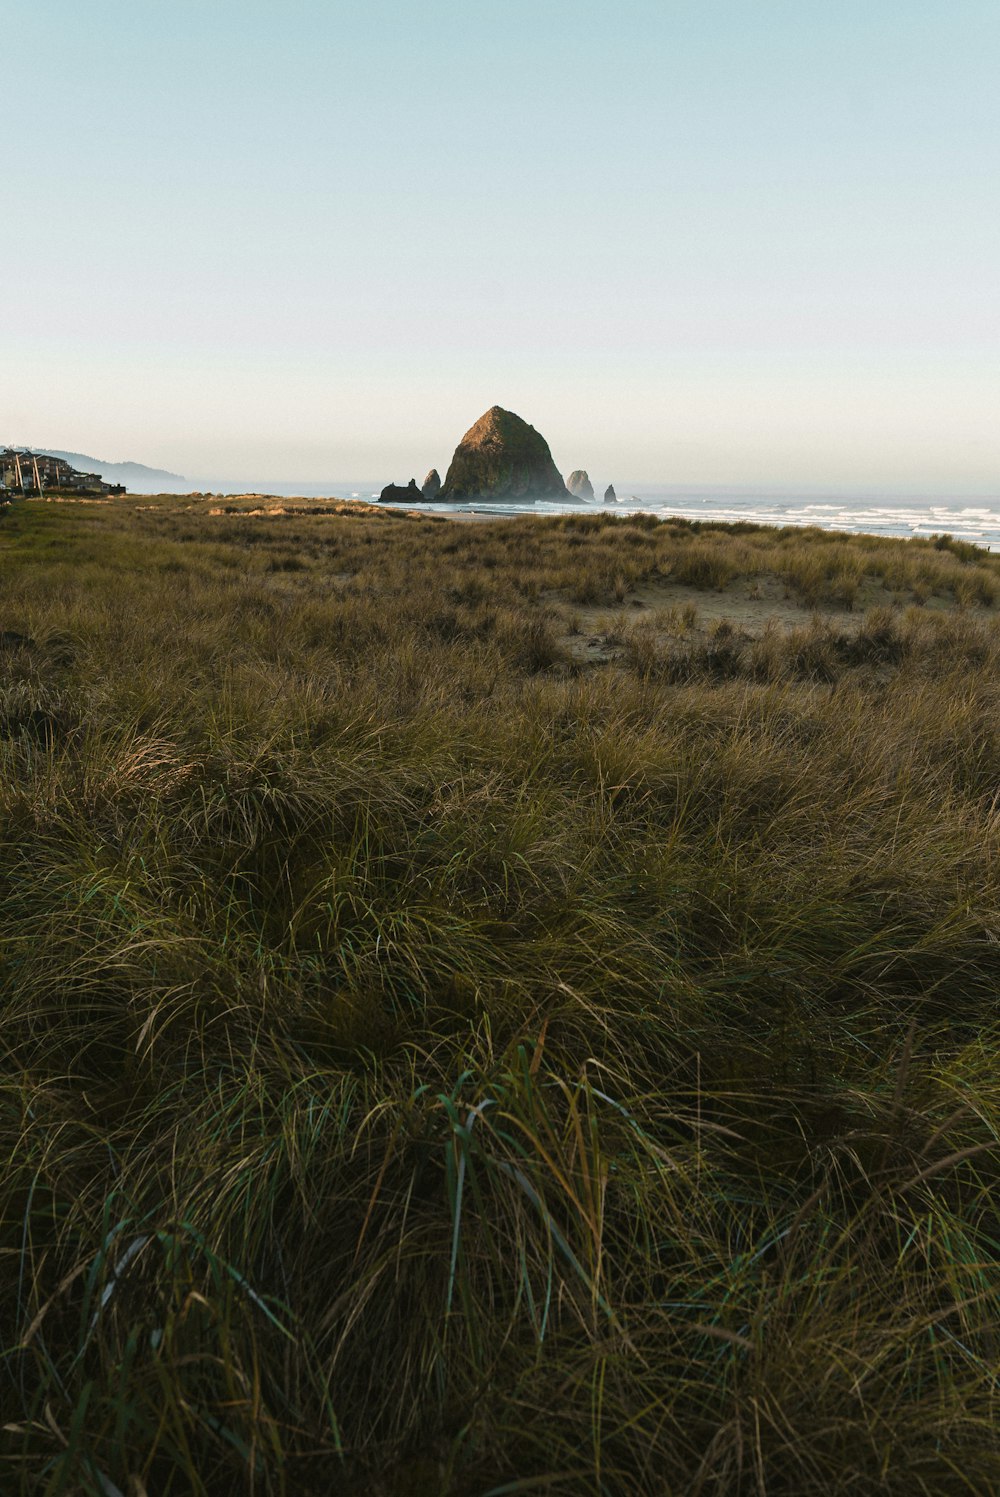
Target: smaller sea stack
x=431, y=486
x=394, y=493
x=610, y=497
x=579, y=484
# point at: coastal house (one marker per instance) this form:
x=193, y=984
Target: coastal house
x=27, y=472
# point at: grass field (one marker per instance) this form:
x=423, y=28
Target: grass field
x=497, y=1008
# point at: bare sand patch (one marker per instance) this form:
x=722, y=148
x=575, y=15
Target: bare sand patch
x=675, y=612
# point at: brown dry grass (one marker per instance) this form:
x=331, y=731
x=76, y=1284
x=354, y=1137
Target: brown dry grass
x=435, y=1063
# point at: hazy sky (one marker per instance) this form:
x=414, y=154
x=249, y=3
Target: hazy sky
x=696, y=241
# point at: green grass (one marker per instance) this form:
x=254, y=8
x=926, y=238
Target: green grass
x=433, y=1066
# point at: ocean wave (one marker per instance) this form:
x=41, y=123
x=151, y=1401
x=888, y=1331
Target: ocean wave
x=903, y=516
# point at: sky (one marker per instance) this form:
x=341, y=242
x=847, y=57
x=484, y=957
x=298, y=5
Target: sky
x=691, y=241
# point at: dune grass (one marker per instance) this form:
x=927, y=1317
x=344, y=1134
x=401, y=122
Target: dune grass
x=434, y=1067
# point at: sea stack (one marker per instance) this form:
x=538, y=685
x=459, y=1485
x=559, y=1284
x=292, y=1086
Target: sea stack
x=579, y=484
x=431, y=486
x=394, y=493
x=502, y=457
x=610, y=497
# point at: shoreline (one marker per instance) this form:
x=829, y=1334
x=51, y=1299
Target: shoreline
x=914, y=517
x=956, y=526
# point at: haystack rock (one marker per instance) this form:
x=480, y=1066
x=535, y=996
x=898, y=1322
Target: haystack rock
x=431, y=486
x=610, y=497
x=579, y=484
x=394, y=493
x=502, y=457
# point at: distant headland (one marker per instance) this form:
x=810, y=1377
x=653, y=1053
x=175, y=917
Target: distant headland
x=59, y=469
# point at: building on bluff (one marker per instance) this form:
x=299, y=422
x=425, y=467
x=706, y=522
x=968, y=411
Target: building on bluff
x=26, y=472
x=502, y=457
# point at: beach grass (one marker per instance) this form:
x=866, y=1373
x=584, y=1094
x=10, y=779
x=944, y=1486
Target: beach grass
x=436, y=1061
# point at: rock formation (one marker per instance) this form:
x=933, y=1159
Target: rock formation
x=431, y=486
x=610, y=497
x=394, y=493
x=502, y=457
x=579, y=484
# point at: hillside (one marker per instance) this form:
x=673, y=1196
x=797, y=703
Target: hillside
x=136, y=476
